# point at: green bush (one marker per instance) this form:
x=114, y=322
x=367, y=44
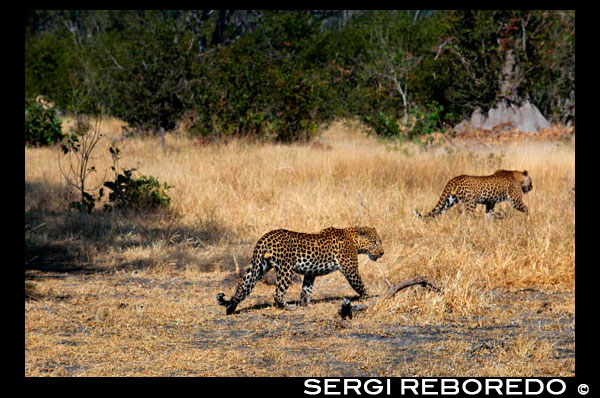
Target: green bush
x=276, y=74
x=143, y=193
x=231, y=96
x=51, y=66
x=86, y=204
x=296, y=115
x=42, y=125
x=429, y=120
x=244, y=93
x=382, y=124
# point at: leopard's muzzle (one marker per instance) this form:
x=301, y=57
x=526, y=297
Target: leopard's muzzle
x=374, y=257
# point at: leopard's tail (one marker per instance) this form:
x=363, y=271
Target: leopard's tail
x=446, y=201
x=221, y=300
x=416, y=213
x=259, y=266
x=230, y=305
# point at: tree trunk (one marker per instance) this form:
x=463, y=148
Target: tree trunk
x=510, y=111
x=219, y=31
x=510, y=78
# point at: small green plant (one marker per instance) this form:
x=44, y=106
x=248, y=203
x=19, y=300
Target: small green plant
x=42, y=125
x=142, y=193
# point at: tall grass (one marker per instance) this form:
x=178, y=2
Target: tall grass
x=226, y=195
x=235, y=192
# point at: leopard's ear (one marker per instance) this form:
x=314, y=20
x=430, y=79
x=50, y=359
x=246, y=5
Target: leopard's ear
x=525, y=173
x=362, y=231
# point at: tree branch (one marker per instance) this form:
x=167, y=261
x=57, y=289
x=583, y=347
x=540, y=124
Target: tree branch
x=441, y=46
x=465, y=64
x=348, y=310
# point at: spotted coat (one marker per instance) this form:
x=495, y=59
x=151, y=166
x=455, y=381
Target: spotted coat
x=308, y=254
x=487, y=190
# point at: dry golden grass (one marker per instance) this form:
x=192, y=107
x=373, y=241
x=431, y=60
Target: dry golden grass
x=146, y=305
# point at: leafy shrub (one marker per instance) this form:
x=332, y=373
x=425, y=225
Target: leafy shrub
x=86, y=204
x=151, y=89
x=42, y=125
x=382, y=124
x=276, y=73
x=428, y=121
x=296, y=114
x=50, y=63
x=142, y=193
x=137, y=193
x=231, y=98
x=244, y=93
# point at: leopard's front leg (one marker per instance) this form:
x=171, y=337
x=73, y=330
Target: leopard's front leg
x=519, y=205
x=350, y=271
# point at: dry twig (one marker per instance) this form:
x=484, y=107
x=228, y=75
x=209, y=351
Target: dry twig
x=347, y=310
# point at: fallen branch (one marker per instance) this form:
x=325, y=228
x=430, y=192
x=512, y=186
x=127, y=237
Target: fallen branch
x=347, y=310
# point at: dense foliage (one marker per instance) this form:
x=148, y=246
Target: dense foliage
x=277, y=74
x=42, y=124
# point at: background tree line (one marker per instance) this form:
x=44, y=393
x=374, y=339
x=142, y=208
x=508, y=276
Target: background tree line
x=278, y=74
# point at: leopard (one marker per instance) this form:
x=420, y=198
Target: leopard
x=503, y=185
x=308, y=254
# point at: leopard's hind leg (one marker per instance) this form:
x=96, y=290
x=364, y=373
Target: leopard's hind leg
x=307, y=286
x=259, y=266
x=284, y=279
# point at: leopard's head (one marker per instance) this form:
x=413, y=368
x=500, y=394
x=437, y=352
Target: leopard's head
x=525, y=180
x=368, y=242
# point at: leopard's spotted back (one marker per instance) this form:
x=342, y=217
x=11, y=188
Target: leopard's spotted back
x=487, y=190
x=309, y=254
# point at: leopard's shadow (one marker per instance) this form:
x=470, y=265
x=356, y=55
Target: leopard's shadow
x=297, y=303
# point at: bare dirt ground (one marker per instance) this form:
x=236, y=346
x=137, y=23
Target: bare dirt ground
x=126, y=324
